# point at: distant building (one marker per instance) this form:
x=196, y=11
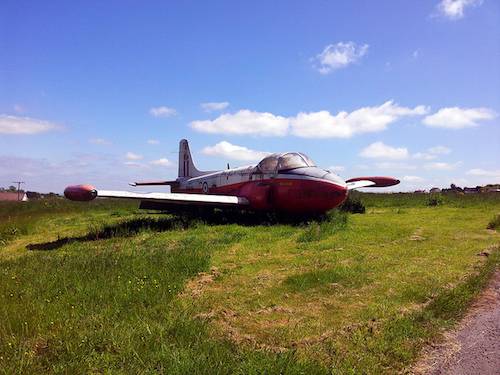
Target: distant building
x=33, y=195
x=435, y=190
x=474, y=190
x=492, y=190
x=419, y=191
x=13, y=196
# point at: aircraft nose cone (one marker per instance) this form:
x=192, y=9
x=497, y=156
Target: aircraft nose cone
x=81, y=193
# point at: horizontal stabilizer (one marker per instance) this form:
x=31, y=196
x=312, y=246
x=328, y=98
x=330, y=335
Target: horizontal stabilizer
x=359, y=184
x=375, y=181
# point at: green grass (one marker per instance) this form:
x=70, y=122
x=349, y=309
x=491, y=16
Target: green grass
x=105, y=288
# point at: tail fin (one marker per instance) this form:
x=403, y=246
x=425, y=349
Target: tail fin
x=186, y=165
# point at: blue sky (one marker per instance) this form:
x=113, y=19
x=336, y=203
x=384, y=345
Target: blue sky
x=102, y=93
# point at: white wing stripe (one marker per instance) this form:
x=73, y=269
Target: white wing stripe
x=359, y=184
x=175, y=197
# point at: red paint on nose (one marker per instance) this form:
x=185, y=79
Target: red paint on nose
x=81, y=193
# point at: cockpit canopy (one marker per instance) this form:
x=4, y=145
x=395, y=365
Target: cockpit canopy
x=284, y=161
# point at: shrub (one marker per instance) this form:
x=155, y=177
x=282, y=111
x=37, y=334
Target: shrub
x=353, y=205
x=434, y=200
x=494, y=223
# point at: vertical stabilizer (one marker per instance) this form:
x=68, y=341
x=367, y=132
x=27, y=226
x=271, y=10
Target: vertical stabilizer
x=186, y=165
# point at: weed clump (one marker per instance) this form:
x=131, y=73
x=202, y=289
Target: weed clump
x=333, y=222
x=494, y=223
x=434, y=200
x=353, y=205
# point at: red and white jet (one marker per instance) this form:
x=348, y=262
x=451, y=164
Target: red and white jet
x=285, y=182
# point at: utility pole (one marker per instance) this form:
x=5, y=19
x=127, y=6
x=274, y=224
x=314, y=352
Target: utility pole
x=18, y=187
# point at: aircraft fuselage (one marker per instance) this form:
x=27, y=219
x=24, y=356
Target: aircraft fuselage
x=309, y=190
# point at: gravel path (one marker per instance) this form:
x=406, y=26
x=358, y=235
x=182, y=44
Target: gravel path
x=474, y=347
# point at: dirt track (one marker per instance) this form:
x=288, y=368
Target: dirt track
x=474, y=347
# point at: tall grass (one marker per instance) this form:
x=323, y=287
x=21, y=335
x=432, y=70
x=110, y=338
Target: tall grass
x=334, y=221
x=372, y=200
x=21, y=218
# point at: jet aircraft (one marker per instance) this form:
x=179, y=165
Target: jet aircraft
x=288, y=182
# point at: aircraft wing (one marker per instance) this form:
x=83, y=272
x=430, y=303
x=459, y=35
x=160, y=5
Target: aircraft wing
x=88, y=192
x=375, y=181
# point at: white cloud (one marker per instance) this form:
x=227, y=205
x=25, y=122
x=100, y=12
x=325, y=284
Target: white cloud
x=131, y=156
x=163, y=162
x=379, y=150
x=336, y=168
x=441, y=166
x=413, y=179
x=458, y=118
x=153, y=141
x=24, y=125
x=162, y=111
x=340, y=55
x=344, y=124
x=454, y=9
x=99, y=141
x=214, y=106
x=234, y=152
x=245, y=122
x=485, y=173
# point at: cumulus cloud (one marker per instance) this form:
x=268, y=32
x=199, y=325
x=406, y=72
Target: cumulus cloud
x=163, y=162
x=455, y=9
x=214, y=106
x=458, y=118
x=162, y=111
x=99, y=141
x=346, y=124
x=485, y=173
x=245, y=122
x=131, y=156
x=24, y=125
x=153, y=141
x=234, y=152
x=379, y=150
x=340, y=55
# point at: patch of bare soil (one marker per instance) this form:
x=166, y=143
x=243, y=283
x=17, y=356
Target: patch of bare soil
x=417, y=236
x=474, y=347
x=196, y=286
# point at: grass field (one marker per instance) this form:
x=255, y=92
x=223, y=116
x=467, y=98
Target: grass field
x=102, y=287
